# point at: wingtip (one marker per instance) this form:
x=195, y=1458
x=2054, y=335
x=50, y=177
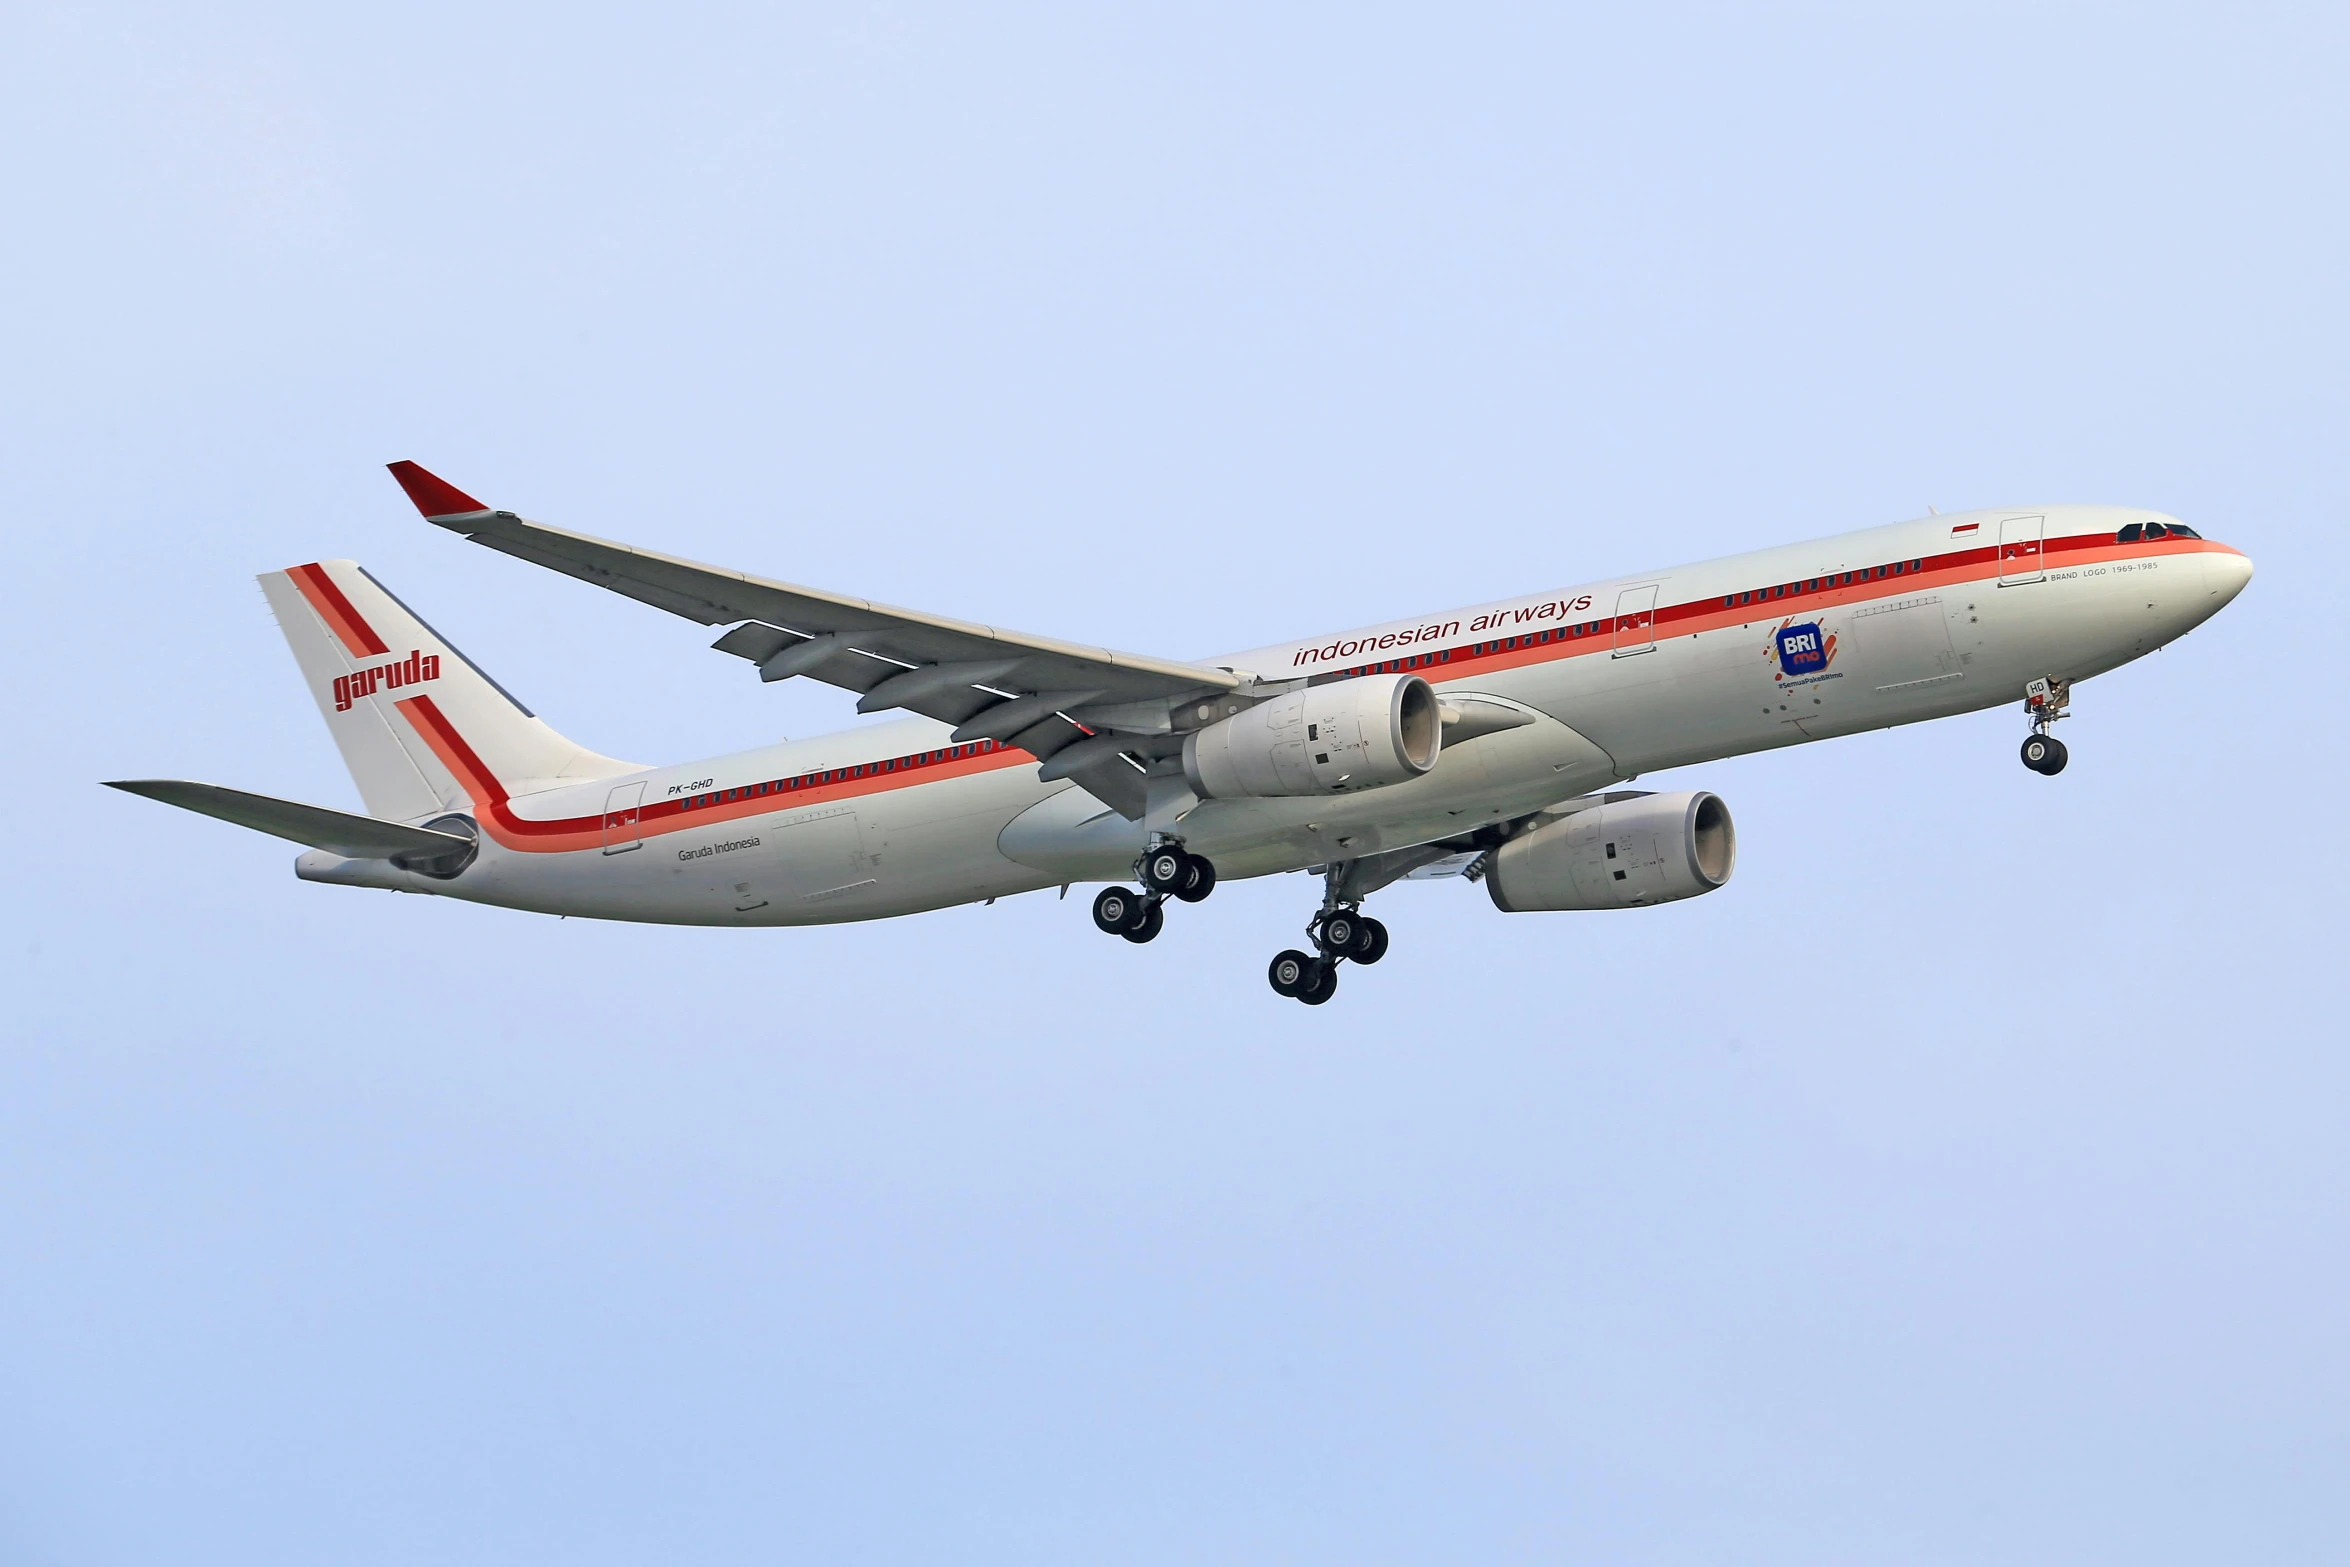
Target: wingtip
x=434, y=496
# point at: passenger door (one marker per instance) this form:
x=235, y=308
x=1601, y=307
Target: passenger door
x=1635, y=621
x=2019, y=550
x=623, y=809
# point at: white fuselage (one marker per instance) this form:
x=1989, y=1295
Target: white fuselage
x=1885, y=626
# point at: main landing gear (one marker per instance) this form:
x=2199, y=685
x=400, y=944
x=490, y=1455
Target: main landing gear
x=1342, y=933
x=1166, y=870
x=2046, y=700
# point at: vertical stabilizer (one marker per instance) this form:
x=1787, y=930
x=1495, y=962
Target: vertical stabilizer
x=421, y=728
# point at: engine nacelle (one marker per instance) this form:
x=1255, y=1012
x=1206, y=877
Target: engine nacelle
x=1338, y=738
x=1621, y=853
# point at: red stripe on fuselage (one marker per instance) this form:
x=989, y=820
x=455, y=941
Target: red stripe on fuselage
x=569, y=834
x=349, y=626
x=566, y=834
x=1544, y=642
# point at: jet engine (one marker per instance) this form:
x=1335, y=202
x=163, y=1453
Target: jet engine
x=1348, y=735
x=1622, y=851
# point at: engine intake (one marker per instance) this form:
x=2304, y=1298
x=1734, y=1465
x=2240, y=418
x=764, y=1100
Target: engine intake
x=1331, y=739
x=1623, y=852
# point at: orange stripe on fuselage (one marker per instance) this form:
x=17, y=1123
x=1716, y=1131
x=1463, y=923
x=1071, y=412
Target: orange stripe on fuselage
x=569, y=834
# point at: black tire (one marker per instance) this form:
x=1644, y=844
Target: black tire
x=1117, y=910
x=1154, y=920
x=1166, y=868
x=2044, y=754
x=1339, y=932
x=1289, y=971
x=1325, y=983
x=1373, y=946
x=1201, y=882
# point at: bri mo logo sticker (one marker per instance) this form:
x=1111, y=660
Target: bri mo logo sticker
x=1802, y=649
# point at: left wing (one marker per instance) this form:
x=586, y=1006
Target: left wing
x=337, y=832
x=1093, y=714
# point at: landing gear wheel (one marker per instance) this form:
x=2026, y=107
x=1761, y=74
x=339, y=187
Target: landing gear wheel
x=1154, y=920
x=1201, y=882
x=2044, y=754
x=1166, y=868
x=1324, y=984
x=1339, y=934
x=1372, y=945
x=1289, y=972
x=1119, y=910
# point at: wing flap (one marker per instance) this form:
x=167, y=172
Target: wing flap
x=1116, y=784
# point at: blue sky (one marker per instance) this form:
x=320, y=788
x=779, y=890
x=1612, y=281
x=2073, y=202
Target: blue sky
x=1964, y=1183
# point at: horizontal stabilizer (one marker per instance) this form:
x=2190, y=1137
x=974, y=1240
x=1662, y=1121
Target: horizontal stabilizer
x=339, y=832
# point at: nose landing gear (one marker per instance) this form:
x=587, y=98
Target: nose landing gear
x=2046, y=700
x=2044, y=754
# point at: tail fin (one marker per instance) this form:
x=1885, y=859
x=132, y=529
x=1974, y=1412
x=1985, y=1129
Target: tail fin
x=421, y=728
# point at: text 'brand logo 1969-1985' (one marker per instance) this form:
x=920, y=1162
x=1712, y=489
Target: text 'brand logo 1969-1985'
x=415, y=669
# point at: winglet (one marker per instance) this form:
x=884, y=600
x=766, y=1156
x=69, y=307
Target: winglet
x=434, y=496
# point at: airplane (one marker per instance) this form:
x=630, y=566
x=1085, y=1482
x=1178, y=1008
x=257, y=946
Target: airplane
x=1485, y=743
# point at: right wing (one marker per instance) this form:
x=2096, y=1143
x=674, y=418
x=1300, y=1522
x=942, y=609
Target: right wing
x=1110, y=712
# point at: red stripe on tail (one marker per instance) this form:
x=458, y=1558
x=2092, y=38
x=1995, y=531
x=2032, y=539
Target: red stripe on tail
x=349, y=626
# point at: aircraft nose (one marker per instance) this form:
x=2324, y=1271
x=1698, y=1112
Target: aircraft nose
x=2227, y=571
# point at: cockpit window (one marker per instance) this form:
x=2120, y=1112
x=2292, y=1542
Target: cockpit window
x=2130, y=534
x=2179, y=530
